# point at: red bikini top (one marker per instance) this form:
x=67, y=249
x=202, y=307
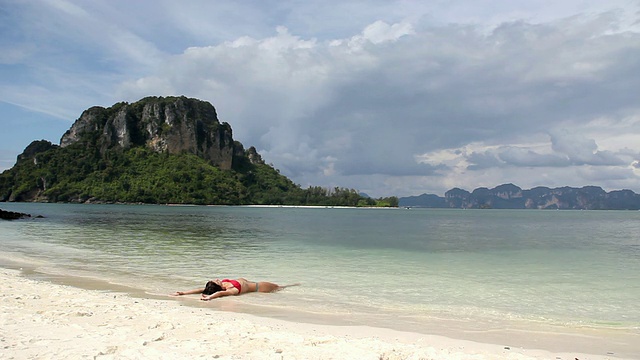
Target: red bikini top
x=235, y=284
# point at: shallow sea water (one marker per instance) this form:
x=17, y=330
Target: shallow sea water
x=453, y=271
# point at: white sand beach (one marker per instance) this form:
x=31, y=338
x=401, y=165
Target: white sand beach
x=41, y=320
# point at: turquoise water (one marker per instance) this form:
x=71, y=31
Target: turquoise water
x=406, y=269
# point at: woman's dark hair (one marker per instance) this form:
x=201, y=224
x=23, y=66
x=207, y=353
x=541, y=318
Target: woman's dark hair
x=211, y=288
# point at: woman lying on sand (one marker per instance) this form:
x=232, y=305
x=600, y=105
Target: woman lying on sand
x=226, y=287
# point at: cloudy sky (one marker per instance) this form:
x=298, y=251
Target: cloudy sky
x=387, y=97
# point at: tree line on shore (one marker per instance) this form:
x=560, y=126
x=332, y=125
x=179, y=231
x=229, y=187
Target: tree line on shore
x=139, y=175
x=158, y=150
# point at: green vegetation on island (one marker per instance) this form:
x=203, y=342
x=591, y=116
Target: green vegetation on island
x=112, y=156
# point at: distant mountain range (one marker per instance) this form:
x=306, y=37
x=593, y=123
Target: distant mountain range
x=509, y=196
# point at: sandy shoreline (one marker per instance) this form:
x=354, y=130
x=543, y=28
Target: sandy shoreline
x=41, y=320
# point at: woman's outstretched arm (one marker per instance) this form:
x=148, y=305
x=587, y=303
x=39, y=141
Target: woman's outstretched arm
x=188, y=292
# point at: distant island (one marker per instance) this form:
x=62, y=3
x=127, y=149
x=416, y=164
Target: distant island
x=159, y=150
x=509, y=196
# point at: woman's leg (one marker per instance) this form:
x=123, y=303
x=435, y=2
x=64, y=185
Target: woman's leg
x=266, y=287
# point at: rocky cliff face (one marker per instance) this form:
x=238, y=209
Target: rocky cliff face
x=157, y=150
x=173, y=124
